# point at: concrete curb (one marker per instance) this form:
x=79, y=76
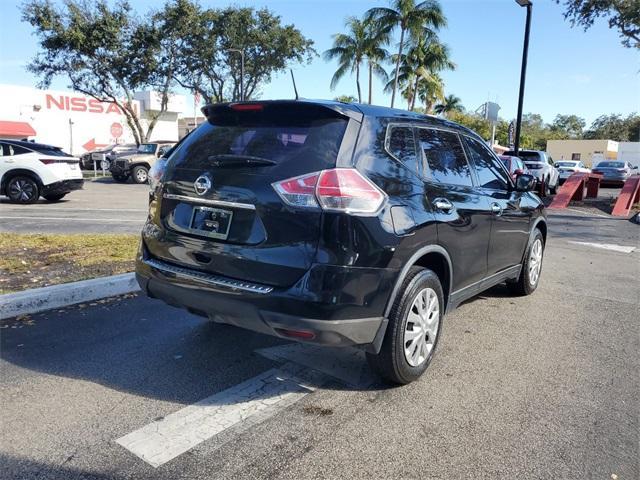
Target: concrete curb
x=57, y=296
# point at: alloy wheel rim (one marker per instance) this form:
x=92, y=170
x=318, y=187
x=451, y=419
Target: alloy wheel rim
x=421, y=327
x=141, y=175
x=535, y=261
x=21, y=190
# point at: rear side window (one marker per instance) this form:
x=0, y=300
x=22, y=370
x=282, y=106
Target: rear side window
x=401, y=144
x=445, y=157
x=14, y=149
x=490, y=173
x=279, y=134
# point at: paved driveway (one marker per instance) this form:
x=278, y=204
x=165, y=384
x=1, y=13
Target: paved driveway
x=103, y=206
x=544, y=386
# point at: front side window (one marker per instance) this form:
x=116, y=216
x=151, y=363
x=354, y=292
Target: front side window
x=401, y=144
x=445, y=157
x=490, y=174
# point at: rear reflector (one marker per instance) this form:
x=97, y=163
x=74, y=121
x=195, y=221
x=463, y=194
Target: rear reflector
x=303, y=334
x=245, y=107
x=337, y=190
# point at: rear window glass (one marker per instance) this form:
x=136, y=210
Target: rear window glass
x=566, y=164
x=526, y=156
x=611, y=165
x=279, y=137
x=50, y=151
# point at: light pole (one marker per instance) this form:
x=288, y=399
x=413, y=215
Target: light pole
x=523, y=70
x=241, y=52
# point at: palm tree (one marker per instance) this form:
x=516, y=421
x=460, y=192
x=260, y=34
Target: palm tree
x=377, y=37
x=411, y=18
x=420, y=65
x=451, y=103
x=430, y=91
x=350, y=50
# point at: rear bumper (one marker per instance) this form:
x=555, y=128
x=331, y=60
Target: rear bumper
x=329, y=305
x=63, y=186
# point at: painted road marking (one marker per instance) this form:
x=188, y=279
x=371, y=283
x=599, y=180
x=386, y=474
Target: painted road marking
x=224, y=415
x=255, y=399
x=606, y=246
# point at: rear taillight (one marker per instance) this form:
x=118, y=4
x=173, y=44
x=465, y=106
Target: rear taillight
x=338, y=190
x=48, y=161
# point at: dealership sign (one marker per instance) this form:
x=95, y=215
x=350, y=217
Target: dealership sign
x=78, y=123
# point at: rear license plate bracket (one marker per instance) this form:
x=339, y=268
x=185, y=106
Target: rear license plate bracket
x=211, y=222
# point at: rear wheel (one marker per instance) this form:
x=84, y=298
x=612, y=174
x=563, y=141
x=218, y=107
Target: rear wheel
x=22, y=189
x=554, y=190
x=415, y=324
x=140, y=174
x=531, y=267
x=54, y=198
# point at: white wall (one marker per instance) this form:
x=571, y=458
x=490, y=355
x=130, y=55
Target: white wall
x=93, y=122
x=629, y=152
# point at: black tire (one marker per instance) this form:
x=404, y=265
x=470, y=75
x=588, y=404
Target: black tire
x=545, y=187
x=54, y=198
x=524, y=285
x=120, y=178
x=391, y=363
x=23, y=189
x=554, y=190
x=140, y=174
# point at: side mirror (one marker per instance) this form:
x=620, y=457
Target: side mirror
x=525, y=183
x=635, y=167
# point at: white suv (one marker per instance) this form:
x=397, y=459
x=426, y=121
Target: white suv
x=29, y=170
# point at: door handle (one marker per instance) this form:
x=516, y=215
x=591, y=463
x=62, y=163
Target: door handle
x=496, y=209
x=443, y=205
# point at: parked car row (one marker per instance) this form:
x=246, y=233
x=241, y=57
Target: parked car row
x=93, y=159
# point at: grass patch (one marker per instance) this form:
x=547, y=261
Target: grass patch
x=38, y=260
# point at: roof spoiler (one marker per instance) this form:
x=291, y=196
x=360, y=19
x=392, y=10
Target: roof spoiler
x=347, y=110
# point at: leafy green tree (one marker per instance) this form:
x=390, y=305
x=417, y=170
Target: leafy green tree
x=349, y=49
x=411, y=18
x=211, y=59
x=567, y=127
x=346, y=99
x=105, y=52
x=622, y=14
x=451, y=103
x=615, y=127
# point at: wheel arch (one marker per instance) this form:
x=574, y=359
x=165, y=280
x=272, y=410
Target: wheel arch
x=16, y=172
x=433, y=257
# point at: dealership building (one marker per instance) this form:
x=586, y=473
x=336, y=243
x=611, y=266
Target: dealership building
x=79, y=123
x=590, y=152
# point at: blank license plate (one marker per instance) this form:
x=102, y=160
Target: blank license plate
x=212, y=222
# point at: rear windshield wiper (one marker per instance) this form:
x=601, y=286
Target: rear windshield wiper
x=228, y=160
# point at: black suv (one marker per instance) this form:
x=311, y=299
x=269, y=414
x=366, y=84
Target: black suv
x=338, y=224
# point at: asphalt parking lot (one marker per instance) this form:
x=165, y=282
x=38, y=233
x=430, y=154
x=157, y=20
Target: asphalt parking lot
x=102, y=206
x=544, y=386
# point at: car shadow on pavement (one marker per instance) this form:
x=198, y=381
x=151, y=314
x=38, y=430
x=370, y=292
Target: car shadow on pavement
x=23, y=468
x=139, y=346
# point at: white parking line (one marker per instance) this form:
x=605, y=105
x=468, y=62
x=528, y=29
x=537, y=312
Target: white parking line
x=253, y=400
x=67, y=219
x=227, y=413
x=605, y=246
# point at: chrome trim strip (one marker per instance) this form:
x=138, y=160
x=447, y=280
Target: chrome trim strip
x=216, y=280
x=205, y=201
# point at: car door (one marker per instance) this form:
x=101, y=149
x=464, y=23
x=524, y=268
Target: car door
x=462, y=215
x=510, y=220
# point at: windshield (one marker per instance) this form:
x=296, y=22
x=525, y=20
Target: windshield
x=610, y=165
x=566, y=164
x=147, y=148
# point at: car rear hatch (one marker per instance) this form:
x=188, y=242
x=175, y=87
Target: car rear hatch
x=219, y=210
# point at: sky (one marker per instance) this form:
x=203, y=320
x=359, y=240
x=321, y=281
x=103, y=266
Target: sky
x=570, y=71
